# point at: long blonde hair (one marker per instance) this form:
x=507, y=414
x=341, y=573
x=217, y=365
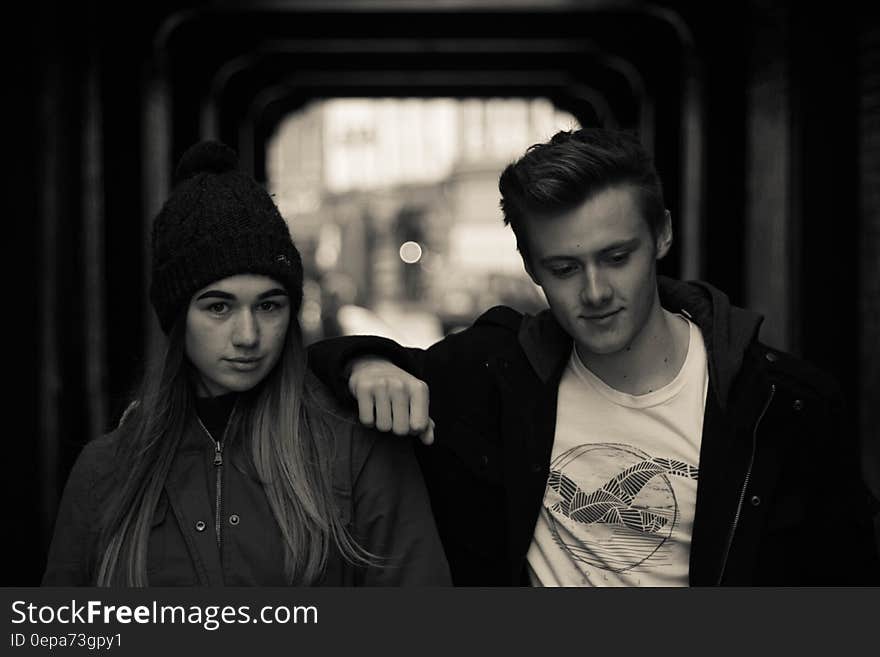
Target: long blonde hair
x=291, y=446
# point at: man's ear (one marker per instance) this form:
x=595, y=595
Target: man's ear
x=664, y=235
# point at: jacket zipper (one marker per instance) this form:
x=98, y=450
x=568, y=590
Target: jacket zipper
x=218, y=476
x=742, y=494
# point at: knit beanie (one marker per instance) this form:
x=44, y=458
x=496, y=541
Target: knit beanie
x=218, y=222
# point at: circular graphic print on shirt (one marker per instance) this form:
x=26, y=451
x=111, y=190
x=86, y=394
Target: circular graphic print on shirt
x=613, y=506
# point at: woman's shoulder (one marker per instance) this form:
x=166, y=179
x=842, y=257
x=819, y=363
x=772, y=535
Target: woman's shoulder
x=91, y=478
x=356, y=444
x=97, y=459
x=342, y=419
x=353, y=442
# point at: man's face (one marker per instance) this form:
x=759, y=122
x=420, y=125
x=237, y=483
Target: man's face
x=597, y=267
x=235, y=330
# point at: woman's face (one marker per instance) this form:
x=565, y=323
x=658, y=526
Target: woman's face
x=235, y=330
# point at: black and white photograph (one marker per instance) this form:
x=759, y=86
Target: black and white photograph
x=452, y=296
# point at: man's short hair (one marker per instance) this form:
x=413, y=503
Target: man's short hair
x=572, y=167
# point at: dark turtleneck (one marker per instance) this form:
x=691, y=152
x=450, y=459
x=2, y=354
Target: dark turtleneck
x=214, y=412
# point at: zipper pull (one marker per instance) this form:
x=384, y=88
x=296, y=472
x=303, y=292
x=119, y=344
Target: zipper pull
x=218, y=454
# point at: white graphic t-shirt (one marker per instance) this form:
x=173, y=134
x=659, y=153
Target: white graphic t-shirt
x=620, y=499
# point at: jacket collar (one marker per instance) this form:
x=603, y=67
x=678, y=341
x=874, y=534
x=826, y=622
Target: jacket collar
x=727, y=332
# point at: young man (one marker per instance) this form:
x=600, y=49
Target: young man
x=637, y=433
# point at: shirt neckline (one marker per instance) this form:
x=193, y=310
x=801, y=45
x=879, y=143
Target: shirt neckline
x=648, y=399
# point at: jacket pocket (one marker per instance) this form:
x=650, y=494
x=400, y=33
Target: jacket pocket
x=169, y=562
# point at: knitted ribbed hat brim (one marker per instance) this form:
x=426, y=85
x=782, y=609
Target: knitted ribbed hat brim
x=174, y=285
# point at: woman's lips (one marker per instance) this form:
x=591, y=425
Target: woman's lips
x=244, y=364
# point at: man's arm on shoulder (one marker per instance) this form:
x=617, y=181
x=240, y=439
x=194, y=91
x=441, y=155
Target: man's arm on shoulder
x=391, y=383
x=381, y=377
x=331, y=359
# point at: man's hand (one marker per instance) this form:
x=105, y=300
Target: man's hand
x=391, y=399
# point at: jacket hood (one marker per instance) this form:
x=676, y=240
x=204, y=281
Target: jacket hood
x=727, y=332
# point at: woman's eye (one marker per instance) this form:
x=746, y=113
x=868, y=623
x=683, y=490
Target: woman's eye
x=269, y=306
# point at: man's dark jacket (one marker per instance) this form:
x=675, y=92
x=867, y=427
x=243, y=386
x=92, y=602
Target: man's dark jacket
x=780, y=499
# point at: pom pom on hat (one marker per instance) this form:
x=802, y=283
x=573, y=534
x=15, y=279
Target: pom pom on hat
x=205, y=157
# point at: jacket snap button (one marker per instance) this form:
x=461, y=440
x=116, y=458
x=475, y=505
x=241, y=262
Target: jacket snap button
x=200, y=526
x=233, y=519
x=798, y=404
x=771, y=357
x=756, y=501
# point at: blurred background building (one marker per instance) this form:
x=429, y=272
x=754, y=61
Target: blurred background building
x=394, y=205
x=381, y=126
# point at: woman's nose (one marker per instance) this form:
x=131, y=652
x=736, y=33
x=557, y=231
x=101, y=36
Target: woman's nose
x=246, y=332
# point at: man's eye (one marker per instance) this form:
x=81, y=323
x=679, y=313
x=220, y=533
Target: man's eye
x=619, y=258
x=218, y=308
x=561, y=271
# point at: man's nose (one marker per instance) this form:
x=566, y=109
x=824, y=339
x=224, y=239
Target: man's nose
x=596, y=290
x=246, y=332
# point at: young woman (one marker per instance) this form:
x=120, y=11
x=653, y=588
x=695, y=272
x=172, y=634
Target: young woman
x=233, y=466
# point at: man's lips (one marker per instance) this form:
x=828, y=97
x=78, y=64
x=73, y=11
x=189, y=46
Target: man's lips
x=602, y=315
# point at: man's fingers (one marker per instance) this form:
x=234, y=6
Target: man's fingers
x=383, y=408
x=399, y=396
x=418, y=407
x=364, y=396
x=427, y=436
x=390, y=399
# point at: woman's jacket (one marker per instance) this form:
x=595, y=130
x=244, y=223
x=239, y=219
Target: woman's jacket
x=377, y=486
